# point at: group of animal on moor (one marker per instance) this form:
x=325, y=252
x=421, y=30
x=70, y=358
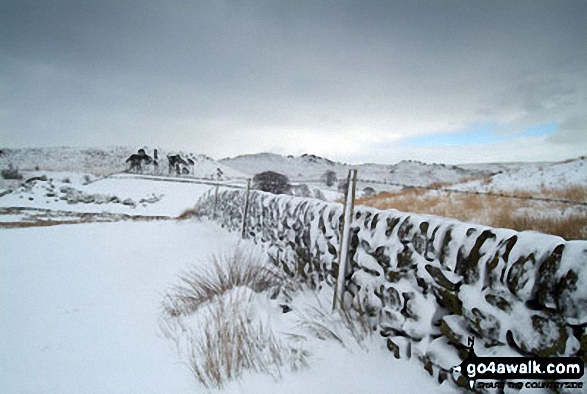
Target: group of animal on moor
x=139, y=161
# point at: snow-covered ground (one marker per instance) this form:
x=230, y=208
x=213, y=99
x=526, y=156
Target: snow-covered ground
x=310, y=168
x=79, y=310
x=103, y=161
x=533, y=178
x=122, y=194
x=80, y=305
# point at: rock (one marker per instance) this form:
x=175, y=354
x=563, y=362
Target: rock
x=442, y=280
x=520, y=274
x=546, y=276
x=404, y=258
x=485, y=326
x=393, y=348
x=448, y=300
x=499, y=302
x=285, y=308
x=468, y=266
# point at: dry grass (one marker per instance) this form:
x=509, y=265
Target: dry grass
x=190, y=213
x=209, y=309
x=224, y=273
x=345, y=325
x=496, y=211
x=35, y=217
x=230, y=345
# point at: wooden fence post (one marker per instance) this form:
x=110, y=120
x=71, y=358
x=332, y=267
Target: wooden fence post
x=246, y=208
x=215, y=202
x=349, y=203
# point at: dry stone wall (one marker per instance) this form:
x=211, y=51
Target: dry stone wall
x=428, y=282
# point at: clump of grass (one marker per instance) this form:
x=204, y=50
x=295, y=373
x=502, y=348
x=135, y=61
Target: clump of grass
x=224, y=273
x=230, y=345
x=190, y=213
x=209, y=310
x=346, y=325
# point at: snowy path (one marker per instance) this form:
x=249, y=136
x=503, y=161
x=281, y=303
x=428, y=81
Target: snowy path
x=79, y=305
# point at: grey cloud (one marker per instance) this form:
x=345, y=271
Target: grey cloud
x=221, y=75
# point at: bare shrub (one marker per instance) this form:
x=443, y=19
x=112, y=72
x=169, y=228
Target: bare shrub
x=11, y=173
x=346, y=325
x=272, y=182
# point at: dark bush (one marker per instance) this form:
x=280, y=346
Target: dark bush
x=271, y=182
x=329, y=177
x=369, y=191
x=11, y=173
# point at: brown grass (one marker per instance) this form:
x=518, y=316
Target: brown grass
x=230, y=345
x=223, y=273
x=209, y=310
x=495, y=211
x=46, y=218
x=190, y=213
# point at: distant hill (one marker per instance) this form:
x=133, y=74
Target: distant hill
x=101, y=161
x=311, y=168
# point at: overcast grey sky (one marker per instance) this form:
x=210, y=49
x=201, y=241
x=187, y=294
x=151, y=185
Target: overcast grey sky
x=357, y=81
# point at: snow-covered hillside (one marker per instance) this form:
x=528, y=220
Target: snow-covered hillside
x=533, y=177
x=102, y=161
x=312, y=168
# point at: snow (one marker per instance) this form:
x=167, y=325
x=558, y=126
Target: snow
x=534, y=177
x=167, y=198
x=79, y=313
x=103, y=161
x=79, y=305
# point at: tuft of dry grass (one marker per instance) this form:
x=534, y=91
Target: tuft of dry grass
x=230, y=345
x=346, y=325
x=190, y=213
x=495, y=211
x=199, y=286
x=210, y=310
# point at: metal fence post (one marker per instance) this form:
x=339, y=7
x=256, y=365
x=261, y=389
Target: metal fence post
x=246, y=208
x=344, y=238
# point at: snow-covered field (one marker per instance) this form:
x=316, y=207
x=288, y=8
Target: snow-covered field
x=81, y=305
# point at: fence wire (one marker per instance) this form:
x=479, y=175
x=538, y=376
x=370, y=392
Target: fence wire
x=449, y=190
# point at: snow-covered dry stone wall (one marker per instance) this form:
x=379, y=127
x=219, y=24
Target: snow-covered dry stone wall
x=429, y=282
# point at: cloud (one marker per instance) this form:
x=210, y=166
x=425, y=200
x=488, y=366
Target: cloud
x=341, y=79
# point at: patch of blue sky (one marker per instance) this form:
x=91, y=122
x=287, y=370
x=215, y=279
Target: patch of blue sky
x=480, y=134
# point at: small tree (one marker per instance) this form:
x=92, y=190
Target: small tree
x=329, y=177
x=271, y=182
